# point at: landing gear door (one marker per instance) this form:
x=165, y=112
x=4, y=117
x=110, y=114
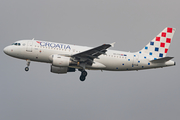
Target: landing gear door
x=135, y=59
x=29, y=46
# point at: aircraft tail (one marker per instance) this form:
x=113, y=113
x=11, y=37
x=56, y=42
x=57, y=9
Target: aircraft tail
x=158, y=47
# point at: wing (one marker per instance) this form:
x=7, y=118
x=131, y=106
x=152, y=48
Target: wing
x=89, y=55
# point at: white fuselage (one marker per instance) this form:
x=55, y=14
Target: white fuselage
x=113, y=60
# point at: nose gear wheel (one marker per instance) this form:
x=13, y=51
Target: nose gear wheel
x=28, y=64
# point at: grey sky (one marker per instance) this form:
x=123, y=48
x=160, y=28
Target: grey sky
x=41, y=95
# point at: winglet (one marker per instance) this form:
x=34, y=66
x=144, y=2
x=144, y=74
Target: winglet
x=112, y=44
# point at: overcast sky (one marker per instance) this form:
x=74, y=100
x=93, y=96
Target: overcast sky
x=135, y=95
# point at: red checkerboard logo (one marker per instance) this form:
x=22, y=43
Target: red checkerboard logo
x=165, y=50
x=157, y=38
x=169, y=30
x=163, y=34
x=162, y=45
x=168, y=40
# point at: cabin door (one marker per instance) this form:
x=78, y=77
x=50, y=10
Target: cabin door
x=29, y=46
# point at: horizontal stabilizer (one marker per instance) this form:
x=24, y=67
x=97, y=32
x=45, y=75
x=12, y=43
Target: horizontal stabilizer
x=162, y=60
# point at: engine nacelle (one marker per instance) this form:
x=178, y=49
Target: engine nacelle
x=61, y=61
x=61, y=70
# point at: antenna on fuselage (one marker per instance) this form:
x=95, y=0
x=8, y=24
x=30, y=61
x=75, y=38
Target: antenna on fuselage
x=33, y=39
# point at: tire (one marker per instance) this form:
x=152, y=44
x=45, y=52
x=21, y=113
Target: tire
x=82, y=78
x=26, y=69
x=84, y=73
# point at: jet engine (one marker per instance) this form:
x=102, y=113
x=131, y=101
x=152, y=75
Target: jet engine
x=61, y=70
x=61, y=61
x=60, y=64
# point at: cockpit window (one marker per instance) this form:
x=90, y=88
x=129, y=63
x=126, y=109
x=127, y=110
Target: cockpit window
x=17, y=44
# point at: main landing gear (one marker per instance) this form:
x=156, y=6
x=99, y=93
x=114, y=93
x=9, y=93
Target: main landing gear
x=83, y=75
x=28, y=64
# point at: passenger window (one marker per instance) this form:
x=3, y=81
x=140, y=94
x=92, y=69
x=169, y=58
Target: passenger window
x=19, y=44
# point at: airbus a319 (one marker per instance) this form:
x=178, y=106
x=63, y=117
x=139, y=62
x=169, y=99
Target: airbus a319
x=69, y=58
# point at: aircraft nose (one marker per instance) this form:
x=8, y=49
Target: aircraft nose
x=6, y=50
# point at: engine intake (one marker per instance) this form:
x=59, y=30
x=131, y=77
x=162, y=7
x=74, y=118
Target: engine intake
x=61, y=61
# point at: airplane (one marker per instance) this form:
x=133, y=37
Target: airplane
x=69, y=58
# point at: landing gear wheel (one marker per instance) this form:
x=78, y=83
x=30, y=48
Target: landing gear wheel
x=84, y=73
x=82, y=78
x=28, y=64
x=26, y=69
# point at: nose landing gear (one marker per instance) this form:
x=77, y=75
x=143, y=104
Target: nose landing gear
x=28, y=64
x=26, y=69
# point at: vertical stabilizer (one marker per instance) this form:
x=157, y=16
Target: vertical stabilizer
x=158, y=47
